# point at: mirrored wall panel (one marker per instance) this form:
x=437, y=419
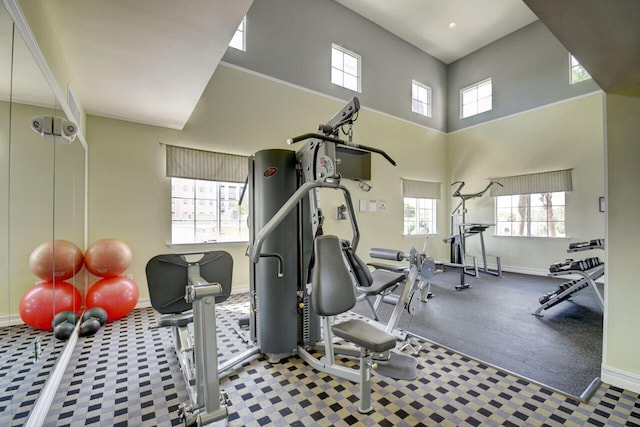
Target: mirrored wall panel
x=41, y=226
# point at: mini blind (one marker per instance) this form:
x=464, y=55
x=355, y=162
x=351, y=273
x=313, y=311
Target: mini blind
x=420, y=189
x=207, y=165
x=543, y=182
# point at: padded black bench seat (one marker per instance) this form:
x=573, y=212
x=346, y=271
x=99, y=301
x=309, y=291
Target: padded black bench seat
x=365, y=335
x=382, y=280
x=389, y=267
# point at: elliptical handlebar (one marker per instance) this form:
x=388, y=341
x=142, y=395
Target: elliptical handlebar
x=457, y=193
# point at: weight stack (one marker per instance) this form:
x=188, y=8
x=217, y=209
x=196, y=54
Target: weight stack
x=274, y=299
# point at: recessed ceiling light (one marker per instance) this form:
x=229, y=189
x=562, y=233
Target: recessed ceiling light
x=453, y=25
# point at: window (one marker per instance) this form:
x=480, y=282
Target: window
x=534, y=215
x=419, y=216
x=345, y=68
x=420, y=206
x=476, y=99
x=239, y=41
x=205, y=191
x=420, y=98
x=216, y=218
x=578, y=73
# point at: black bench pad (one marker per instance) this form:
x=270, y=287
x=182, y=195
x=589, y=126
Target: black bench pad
x=365, y=335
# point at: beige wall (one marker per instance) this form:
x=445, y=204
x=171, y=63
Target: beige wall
x=561, y=136
x=129, y=196
x=621, y=362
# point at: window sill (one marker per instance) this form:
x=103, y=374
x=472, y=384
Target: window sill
x=533, y=237
x=200, y=246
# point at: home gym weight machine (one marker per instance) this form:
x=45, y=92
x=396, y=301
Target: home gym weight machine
x=460, y=229
x=285, y=224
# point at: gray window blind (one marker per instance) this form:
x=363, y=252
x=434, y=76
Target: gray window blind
x=208, y=165
x=543, y=182
x=420, y=189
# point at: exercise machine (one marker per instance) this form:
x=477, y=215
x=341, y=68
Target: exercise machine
x=295, y=268
x=588, y=271
x=184, y=289
x=381, y=283
x=460, y=230
x=385, y=279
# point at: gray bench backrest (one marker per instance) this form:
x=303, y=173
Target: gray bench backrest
x=333, y=291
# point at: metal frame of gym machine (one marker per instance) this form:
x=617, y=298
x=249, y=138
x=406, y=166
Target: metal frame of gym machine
x=285, y=219
x=462, y=229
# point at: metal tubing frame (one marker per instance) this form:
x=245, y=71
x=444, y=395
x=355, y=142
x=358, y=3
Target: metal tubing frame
x=586, y=276
x=290, y=204
x=403, y=300
x=210, y=403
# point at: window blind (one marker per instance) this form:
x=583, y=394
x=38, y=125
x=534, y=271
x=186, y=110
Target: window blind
x=420, y=189
x=207, y=165
x=543, y=182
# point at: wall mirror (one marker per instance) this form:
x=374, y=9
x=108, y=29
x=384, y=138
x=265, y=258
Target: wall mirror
x=42, y=199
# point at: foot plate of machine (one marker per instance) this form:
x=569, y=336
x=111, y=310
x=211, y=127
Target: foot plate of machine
x=399, y=367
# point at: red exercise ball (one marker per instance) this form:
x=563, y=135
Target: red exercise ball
x=56, y=260
x=41, y=303
x=117, y=295
x=108, y=257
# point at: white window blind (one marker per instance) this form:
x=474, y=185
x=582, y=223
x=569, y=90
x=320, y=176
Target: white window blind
x=420, y=189
x=543, y=182
x=206, y=165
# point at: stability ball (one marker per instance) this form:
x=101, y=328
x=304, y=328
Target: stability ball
x=108, y=257
x=117, y=295
x=56, y=260
x=42, y=302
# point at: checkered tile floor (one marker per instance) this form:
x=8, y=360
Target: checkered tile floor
x=127, y=374
x=22, y=376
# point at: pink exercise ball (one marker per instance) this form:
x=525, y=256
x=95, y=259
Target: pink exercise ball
x=117, y=295
x=56, y=260
x=108, y=257
x=42, y=302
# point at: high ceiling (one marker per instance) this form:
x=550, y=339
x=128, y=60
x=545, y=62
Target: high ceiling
x=426, y=23
x=146, y=61
x=149, y=61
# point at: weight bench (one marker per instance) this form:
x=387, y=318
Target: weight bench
x=333, y=293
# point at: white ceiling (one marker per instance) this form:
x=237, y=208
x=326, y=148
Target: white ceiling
x=149, y=61
x=146, y=61
x=425, y=23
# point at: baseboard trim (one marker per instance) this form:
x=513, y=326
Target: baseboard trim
x=521, y=270
x=10, y=320
x=619, y=378
x=240, y=289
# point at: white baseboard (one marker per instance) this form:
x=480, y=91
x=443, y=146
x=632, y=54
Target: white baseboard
x=240, y=289
x=143, y=303
x=619, y=378
x=521, y=270
x=538, y=272
x=10, y=320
